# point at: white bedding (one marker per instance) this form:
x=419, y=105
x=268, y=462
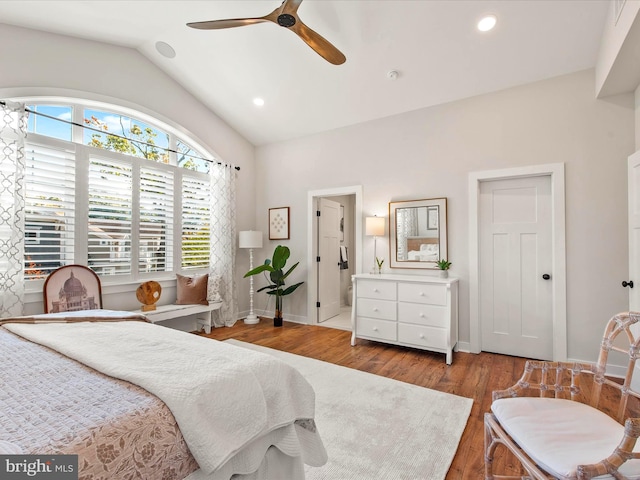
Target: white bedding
x=259, y=393
x=428, y=253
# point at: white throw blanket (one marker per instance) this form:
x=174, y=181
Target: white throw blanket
x=222, y=396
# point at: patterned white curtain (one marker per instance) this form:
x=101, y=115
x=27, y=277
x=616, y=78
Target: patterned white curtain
x=13, y=130
x=223, y=241
x=407, y=226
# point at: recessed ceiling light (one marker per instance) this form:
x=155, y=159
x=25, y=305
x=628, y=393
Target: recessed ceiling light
x=487, y=23
x=258, y=102
x=165, y=49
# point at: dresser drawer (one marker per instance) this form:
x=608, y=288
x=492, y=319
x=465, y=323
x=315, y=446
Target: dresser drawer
x=422, y=314
x=422, y=293
x=382, y=329
x=422, y=336
x=377, y=289
x=373, y=308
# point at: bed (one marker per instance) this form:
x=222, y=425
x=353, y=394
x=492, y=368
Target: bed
x=137, y=400
x=428, y=252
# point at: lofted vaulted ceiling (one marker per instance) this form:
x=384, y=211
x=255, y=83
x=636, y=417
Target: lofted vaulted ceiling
x=433, y=45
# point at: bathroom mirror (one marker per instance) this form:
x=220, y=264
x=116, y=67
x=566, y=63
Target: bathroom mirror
x=418, y=233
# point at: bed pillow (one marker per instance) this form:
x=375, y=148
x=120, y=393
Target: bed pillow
x=192, y=290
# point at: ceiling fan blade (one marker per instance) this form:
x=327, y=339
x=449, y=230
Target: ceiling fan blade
x=290, y=6
x=234, y=22
x=321, y=45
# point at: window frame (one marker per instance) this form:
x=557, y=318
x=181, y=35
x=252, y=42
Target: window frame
x=83, y=153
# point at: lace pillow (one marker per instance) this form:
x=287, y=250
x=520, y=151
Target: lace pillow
x=191, y=290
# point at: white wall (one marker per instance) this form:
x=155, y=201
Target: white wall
x=38, y=63
x=617, y=64
x=429, y=153
x=637, y=106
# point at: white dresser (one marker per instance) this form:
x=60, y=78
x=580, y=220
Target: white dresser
x=410, y=310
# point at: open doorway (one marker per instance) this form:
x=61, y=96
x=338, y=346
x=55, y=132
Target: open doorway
x=334, y=247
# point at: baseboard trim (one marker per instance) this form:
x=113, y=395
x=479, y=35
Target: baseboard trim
x=287, y=318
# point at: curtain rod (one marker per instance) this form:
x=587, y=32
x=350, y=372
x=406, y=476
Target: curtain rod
x=120, y=136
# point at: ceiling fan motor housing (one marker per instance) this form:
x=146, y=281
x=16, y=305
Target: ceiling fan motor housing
x=286, y=20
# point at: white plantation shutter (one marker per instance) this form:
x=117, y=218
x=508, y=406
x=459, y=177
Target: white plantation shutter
x=110, y=216
x=123, y=215
x=196, y=213
x=156, y=221
x=49, y=209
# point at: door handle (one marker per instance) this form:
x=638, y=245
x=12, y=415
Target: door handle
x=627, y=284
x=546, y=276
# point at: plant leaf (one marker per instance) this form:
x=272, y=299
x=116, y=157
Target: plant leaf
x=292, y=288
x=264, y=288
x=259, y=269
x=280, y=256
x=289, y=271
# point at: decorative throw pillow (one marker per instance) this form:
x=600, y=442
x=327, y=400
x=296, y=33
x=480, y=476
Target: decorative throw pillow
x=192, y=290
x=213, y=289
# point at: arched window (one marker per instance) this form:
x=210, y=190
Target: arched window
x=128, y=197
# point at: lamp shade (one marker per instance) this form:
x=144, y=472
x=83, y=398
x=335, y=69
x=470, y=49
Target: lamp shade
x=374, y=226
x=250, y=239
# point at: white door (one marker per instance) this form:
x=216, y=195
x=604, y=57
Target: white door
x=329, y=265
x=515, y=267
x=633, y=193
x=634, y=231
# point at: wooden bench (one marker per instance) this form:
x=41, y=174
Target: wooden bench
x=203, y=313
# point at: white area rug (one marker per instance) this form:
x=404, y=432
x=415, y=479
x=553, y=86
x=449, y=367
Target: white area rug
x=375, y=428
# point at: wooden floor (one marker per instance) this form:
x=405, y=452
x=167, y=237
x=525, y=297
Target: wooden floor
x=470, y=375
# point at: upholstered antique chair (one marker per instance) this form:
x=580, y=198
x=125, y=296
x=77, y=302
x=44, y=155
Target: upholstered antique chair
x=72, y=288
x=571, y=420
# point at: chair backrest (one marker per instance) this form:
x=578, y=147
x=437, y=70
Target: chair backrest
x=619, y=337
x=588, y=382
x=72, y=288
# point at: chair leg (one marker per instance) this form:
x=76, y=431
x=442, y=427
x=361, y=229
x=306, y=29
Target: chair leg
x=494, y=436
x=489, y=449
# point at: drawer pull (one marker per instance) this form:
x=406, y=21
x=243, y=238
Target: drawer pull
x=422, y=335
x=375, y=309
x=376, y=290
x=422, y=294
x=421, y=315
x=375, y=329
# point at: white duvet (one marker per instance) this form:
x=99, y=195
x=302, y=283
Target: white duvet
x=223, y=397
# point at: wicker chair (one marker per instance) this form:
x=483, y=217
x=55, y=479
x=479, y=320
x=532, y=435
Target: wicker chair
x=558, y=421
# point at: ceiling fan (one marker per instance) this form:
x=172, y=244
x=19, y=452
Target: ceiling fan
x=286, y=15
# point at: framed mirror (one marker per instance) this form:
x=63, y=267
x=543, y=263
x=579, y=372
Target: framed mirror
x=418, y=233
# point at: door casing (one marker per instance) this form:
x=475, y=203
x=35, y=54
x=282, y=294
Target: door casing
x=559, y=307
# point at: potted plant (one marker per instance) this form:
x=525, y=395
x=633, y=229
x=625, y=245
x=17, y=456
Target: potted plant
x=379, y=262
x=275, y=267
x=443, y=265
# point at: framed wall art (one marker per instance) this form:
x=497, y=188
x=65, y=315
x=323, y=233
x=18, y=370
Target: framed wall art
x=279, y=223
x=71, y=288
